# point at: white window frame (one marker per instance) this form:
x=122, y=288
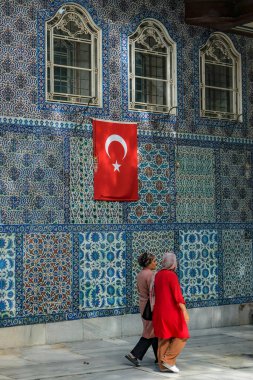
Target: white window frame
x=78, y=15
x=221, y=41
x=152, y=27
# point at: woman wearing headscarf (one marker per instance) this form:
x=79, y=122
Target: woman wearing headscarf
x=144, y=279
x=170, y=317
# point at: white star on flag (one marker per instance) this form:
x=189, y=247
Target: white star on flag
x=116, y=166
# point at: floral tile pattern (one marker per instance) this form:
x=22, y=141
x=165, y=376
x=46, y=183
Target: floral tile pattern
x=153, y=173
x=31, y=179
x=195, y=185
x=199, y=264
x=7, y=275
x=102, y=259
x=156, y=243
x=47, y=273
x=237, y=264
x=83, y=209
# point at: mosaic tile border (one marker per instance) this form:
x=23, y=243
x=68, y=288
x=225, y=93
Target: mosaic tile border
x=21, y=229
x=76, y=268
x=66, y=180
x=129, y=261
x=70, y=129
x=7, y=275
x=217, y=185
x=19, y=274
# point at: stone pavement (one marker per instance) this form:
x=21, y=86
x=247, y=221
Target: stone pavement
x=221, y=353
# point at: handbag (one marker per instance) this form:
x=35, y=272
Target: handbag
x=147, y=313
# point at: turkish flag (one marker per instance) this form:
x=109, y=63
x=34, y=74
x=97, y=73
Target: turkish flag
x=115, y=158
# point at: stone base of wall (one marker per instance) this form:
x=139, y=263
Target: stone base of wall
x=116, y=327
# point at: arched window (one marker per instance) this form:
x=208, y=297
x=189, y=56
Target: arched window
x=73, y=57
x=152, y=68
x=220, y=79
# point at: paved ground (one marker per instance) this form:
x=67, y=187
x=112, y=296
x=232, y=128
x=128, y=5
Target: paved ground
x=222, y=354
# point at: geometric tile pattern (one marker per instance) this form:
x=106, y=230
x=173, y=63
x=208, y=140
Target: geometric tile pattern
x=83, y=209
x=7, y=275
x=236, y=186
x=156, y=243
x=153, y=175
x=199, y=264
x=195, y=185
x=237, y=264
x=31, y=179
x=47, y=273
x=102, y=260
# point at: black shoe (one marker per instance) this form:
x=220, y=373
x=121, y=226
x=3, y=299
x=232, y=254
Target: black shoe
x=133, y=360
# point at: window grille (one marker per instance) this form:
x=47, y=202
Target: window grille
x=220, y=79
x=152, y=68
x=73, y=55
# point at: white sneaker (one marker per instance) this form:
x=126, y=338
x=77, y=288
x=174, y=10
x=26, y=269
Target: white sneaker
x=133, y=359
x=172, y=368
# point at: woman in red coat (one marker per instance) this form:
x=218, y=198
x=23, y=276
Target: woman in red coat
x=170, y=317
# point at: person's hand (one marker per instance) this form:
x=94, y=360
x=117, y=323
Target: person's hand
x=185, y=313
x=186, y=317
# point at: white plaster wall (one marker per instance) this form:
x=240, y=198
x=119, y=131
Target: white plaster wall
x=116, y=327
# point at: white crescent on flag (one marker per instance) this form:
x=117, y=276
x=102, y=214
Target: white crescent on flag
x=117, y=138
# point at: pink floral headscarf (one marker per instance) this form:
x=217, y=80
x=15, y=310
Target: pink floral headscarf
x=169, y=261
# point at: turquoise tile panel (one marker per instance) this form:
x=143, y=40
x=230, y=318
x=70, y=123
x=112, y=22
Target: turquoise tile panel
x=102, y=258
x=195, y=185
x=199, y=264
x=7, y=275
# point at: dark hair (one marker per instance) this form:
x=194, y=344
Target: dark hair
x=145, y=259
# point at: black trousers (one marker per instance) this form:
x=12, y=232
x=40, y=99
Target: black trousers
x=142, y=347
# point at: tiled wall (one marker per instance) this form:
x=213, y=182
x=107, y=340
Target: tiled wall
x=65, y=256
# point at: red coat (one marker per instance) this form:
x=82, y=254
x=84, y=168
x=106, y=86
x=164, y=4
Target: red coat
x=168, y=318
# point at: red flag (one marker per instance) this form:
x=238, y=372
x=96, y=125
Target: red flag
x=115, y=155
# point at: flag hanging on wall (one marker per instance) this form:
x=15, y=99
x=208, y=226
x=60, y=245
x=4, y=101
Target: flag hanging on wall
x=115, y=157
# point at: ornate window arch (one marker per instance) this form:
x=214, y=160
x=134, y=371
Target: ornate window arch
x=220, y=79
x=73, y=56
x=152, y=68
